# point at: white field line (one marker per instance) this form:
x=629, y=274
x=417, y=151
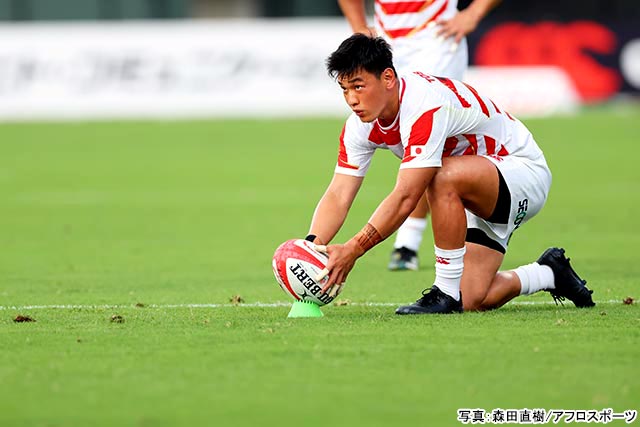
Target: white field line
x=249, y=305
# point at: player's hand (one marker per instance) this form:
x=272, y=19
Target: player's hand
x=342, y=258
x=367, y=31
x=458, y=27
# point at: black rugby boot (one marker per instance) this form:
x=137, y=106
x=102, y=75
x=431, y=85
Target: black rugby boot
x=568, y=283
x=403, y=259
x=432, y=302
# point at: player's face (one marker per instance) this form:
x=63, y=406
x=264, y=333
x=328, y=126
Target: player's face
x=368, y=96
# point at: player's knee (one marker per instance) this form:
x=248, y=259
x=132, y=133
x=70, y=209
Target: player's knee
x=444, y=184
x=473, y=301
x=470, y=304
x=493, y=300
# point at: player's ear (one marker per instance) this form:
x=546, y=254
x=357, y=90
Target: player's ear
x=389, y=78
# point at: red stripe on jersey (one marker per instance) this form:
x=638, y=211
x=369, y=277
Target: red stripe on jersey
x=473, y=144
x=448, y=83
x=427, y=77
x=420, y=133
x=400, y=32
x=510, y=116
x=503, y=151
x=404, y=86
x=394, y=8
x=491, y=145
x=343, y=161
x=469, y=151
x=495, y=106
x=483, y=106
x=450, y=144
x=438, y=13
x=389, y=137
x=409, y=31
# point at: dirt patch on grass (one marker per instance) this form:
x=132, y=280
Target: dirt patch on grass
x=236, y=299
x=116, y=318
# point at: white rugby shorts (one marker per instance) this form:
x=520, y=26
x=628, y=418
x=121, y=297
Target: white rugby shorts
x=424, y=52
x=529, y=182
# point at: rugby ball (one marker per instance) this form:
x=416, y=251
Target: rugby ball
x=296, y=264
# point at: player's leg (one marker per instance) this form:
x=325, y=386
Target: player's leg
x=463, y=183
x=481, y=265
x=504, y=287
x=552, y=272
x=409, y=238
x=480, y=187
x=487, y=241
x=488, y=237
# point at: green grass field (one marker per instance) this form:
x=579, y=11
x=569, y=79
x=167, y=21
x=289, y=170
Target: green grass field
x=141, y=220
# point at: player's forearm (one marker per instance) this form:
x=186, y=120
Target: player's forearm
x=328, y=218
x=387, y=218
x=355, y=13
x=481, y=8
x=394, y=209
x=392, y=212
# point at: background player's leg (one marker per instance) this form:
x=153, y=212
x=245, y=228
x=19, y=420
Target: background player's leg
x=409, y=239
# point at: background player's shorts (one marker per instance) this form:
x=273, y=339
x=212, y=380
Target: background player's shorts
x=529, y=182
x=423, y=52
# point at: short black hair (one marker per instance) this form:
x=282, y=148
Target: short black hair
x=360, y=52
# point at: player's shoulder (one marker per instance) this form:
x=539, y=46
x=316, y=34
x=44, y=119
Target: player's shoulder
x=417, y=79
x=420, y=85
x=419, y=92
x=355, y=129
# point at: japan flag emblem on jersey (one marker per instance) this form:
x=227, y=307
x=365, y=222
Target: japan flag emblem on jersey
x=417, y=150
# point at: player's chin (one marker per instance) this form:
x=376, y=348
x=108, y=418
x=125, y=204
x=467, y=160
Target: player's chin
x=365, y=118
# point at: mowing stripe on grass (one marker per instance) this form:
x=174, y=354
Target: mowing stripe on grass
x=254, y=304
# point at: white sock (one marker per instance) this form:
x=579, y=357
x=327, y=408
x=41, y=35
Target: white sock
x=410, y=234
x=534, y=277
x=449, y=267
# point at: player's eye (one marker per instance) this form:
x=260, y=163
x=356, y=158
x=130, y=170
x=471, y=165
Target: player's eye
x=358, y=87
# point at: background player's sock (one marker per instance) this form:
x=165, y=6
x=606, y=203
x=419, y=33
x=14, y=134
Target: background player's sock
x=535, y=277
x=449, y=266
x=410, y=234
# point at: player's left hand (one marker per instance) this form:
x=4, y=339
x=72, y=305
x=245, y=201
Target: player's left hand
x=458, y=27
x=342, y=258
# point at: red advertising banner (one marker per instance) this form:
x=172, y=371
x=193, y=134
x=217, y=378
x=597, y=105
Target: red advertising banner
x=602, y=60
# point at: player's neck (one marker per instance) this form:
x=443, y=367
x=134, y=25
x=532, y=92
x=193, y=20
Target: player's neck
x=390, y=112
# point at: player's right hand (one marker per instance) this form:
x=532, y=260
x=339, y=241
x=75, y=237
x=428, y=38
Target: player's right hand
x=461, y=24
x=367, y=31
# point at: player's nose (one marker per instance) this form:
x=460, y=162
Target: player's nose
x=352, y=100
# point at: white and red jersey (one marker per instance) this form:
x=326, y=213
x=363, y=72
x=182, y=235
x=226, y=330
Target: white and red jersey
x=405, y=25
x=438, y=117
x=402, y=18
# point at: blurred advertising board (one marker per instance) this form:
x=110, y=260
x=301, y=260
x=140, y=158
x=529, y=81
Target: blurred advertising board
x=168, y=69
x=223, y=68
x=601, y=59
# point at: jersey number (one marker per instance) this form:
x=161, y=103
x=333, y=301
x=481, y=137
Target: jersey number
x=451, y=86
